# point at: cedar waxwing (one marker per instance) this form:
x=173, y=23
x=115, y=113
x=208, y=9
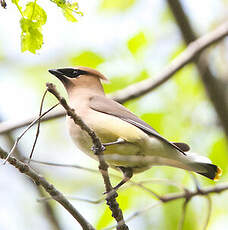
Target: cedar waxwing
x=131, y=145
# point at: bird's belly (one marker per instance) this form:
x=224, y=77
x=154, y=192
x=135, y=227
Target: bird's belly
x=117, y=154
x=80, y=138
x=140, y=151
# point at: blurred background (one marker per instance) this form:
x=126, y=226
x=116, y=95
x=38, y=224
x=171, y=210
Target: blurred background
x=128, y=41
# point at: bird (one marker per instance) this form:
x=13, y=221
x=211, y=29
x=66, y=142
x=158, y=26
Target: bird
x=131, y=145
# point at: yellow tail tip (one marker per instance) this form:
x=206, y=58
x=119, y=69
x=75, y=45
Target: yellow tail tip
x=218, y=174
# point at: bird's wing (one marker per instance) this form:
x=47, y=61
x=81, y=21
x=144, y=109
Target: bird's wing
x=105, y=105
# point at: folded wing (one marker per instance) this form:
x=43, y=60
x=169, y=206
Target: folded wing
x=105, y=105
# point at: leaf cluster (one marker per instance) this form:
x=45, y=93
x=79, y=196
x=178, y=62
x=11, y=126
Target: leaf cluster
x=34, y=18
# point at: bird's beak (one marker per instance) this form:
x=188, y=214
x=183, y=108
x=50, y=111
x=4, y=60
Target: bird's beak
x=61, y=75
x=57, y=73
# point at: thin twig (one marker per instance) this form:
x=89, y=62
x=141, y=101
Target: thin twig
x=137, y=213
x=133, y=183
x=163, y=199
x=143, y=87
x=10, y=125
x=38, y=126
x=23, y=133
x=193, y=50
x=196, y=182
x=148, y=190
x=204, y=191
x=183, y=214
x=98, y=151
x=187, y=195
x=209, y=210
x=45, y=199
x=49, y=188
x=66, y=166
x=49, y=211
x=163, y=181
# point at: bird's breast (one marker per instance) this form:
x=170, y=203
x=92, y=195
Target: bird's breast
x=109, y=129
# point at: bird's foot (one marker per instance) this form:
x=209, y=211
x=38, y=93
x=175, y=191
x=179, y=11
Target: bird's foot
x=118, y=141
x=96, y=149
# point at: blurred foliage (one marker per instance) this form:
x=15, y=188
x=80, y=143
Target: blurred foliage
x=179, y=110
x=171, y=217
x=120, y=82
x=87, y=58
x=155, y=120
x=105, y=219
x=166, y=15
x=218, y=153
x=177, y=52
x=117, y=5
x=137, y=43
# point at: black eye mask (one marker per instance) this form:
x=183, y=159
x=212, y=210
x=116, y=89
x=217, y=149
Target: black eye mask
x=71, y=72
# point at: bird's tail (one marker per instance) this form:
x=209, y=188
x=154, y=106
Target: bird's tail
x=211, y=171
x=203, y=166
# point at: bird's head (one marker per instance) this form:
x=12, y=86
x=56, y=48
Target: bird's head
x=79, y=77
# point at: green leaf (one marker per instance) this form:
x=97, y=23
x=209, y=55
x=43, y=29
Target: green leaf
x=15, y=1
x=69, y=9
x=35, y=13
x=136, y=43
x=68, y=14
x=116, y=5
x=31, y=36
x=87, y=58
x=34, y=17
x=59, y=3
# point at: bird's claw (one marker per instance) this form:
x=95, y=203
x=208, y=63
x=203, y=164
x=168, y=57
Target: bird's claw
x=96, y=149
x=103, y=148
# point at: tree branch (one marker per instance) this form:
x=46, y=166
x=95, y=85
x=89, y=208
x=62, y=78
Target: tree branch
x=187, y=195
x=49, y=212
x=143, y=87
x=182, y=219
x=215, y=87
x=209, y=211
x=49, y=188
x=48, y=209
x=98, y=151
x=191, y=52
x=8, y=126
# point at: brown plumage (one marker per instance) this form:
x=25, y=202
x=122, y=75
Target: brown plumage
x=125, y=136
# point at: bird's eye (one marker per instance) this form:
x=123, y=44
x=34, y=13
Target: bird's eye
x=75, y=72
